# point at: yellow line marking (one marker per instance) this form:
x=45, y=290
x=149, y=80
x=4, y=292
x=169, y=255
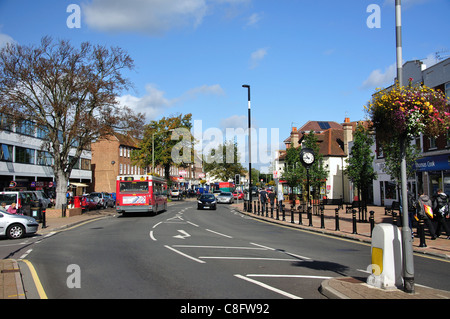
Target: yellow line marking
x=37, y=282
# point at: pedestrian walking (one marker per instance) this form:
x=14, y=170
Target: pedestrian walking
x=280, y=198
x=272, y=196
x=440, y=210
x=263, y=198
x=425, y=212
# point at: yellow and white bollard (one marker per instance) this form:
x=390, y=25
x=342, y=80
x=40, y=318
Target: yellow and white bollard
x=386, y=257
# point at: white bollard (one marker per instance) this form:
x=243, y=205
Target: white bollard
x=386, y=257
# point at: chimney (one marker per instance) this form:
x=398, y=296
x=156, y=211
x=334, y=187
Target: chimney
x=348, y=134
x=294, y=137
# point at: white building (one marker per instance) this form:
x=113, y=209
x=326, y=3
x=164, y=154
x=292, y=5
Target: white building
x=24, y=165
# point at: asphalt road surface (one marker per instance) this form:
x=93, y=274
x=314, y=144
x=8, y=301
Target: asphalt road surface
x=185, y=253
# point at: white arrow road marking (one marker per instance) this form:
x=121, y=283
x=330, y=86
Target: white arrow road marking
x=183, y=234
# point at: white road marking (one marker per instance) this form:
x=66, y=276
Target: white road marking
x=218, y=247
x=288, y=276
x=217, y=233
x=183, y=234
x=247, y=258
x=185, y=255
x=281, y=292
x=151, y=235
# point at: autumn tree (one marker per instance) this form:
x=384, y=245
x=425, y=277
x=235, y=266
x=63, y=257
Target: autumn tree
x=223, y=162
x=166, y=142
x=69, y=93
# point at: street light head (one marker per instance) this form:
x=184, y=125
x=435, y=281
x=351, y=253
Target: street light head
x=245, y=85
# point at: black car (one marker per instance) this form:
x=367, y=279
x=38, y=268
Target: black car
x=206, y=201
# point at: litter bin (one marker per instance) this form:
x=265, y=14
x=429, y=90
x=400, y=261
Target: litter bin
x=36, y=213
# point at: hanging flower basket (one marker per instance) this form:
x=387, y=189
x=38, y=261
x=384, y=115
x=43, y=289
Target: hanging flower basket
x=405, y=112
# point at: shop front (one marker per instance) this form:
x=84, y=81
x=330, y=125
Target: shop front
x=433, y=173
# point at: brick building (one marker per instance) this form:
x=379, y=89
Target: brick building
x=111, y=156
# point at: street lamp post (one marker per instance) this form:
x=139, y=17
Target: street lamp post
x=249, y=150
x=407, y=251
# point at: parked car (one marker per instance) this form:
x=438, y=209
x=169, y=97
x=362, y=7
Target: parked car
x=88, y=203
x=16, y=226
x=238, y=195
x=102, y=199
x=206, y=201
x=23, y=199
x=225, y=197
x=175, y=193
x=217, y=192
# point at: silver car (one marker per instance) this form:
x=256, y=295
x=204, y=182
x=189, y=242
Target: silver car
x=16, y=226
x=225, y=197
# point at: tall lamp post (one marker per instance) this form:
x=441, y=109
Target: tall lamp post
x=408, y=264
x=249, y=151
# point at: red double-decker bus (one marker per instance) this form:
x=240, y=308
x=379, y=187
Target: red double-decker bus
x=141, y=194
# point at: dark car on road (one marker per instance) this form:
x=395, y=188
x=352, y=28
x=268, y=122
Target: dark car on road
x=206, y=201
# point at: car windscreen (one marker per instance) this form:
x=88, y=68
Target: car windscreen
x=208, y=196
x=226, y=194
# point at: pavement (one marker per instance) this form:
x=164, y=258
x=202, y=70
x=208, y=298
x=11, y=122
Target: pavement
x=11, y=286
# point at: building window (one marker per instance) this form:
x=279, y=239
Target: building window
x=25, y=155
x=447, y=90
x=5, y=123
x=6, y=153
x=25, y=127
x=121, y=169
x=85, y=164
x=44, y=158
x=120, y=151
x=432, y=141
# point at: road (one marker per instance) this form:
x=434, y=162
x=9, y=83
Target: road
x=184, y=253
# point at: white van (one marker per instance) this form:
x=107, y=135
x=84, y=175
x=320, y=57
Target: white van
x=23, y=199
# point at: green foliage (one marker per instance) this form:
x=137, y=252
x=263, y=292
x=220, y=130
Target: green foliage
x=360, y=169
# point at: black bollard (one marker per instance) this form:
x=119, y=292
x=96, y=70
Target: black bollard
x=394, y=219
x=292, y=212
x=267, y=209
x=354, y=221
x=421, y=232
x=44, y=212
x=278, y=211
x=259, y=207
x=336, y=217
x=310, y=216
x=322, y=217
x=254, y=207
x=300, y=210
x=282, y=209
x=372, y=221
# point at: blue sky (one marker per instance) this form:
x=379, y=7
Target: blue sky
x=305, y=60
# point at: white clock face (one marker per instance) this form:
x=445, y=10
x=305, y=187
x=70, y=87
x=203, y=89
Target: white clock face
x=308, y=158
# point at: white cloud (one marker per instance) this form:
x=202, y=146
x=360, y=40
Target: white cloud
x=154, y=102
x=152, y=17
x=257, y=56
x=379, y=79
x=254, y=19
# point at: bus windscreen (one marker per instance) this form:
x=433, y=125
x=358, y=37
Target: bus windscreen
x=133, y=187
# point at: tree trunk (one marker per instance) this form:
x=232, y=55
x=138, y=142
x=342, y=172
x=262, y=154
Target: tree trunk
x=61, y=188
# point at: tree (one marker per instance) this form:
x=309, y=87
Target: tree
x=168, y=149
x=360, y=169
x=318, y=174
x=69, y=94
x=223, y=163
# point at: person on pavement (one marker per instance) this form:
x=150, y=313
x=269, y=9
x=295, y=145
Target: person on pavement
x=440, y=210
x=424, y=206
